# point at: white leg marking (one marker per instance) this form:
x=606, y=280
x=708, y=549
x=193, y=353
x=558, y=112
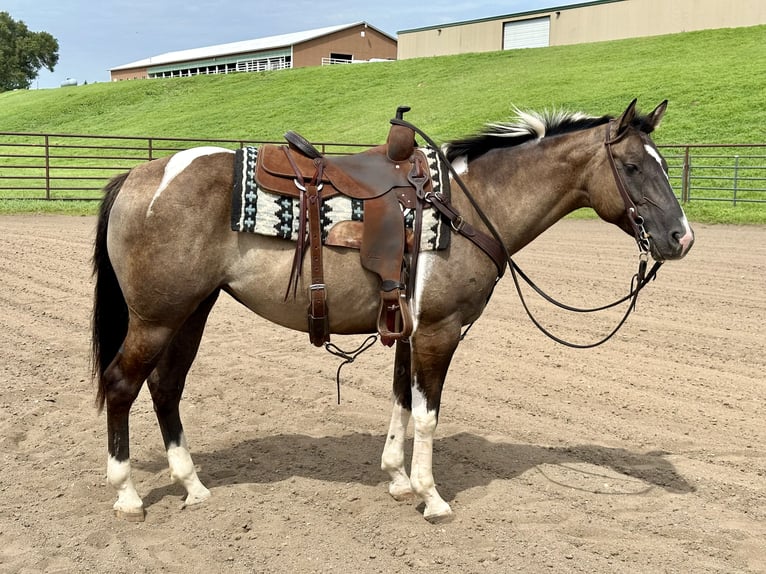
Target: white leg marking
x=128, y=502
x=421, y=475
x=177, y=164
x=182, y=470
x=392, y=460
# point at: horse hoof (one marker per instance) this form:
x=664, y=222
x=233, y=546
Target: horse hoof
x=401, y=491
x=186, y=505
x=131, y=515
x=402, y=495
x=440, y=518
x=196, y=500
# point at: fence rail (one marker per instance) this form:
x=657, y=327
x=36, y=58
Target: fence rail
x=76, y=167
x=733, y=173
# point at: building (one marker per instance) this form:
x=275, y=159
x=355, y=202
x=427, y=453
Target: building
x=357, y=42
x=579, y=23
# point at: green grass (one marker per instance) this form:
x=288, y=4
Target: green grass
x=713, y=80
x=719, y=212
x=15, y=206
x=701, y=212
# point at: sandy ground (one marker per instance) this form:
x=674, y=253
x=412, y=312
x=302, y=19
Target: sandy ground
x=644, y=455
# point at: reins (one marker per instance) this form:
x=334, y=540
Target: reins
x=499, y=254
x=638, y=282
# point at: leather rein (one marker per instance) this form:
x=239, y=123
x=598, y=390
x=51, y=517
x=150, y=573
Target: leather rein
x=638, y=281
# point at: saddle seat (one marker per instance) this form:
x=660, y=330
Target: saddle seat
x=364, y=175
x=383, y=177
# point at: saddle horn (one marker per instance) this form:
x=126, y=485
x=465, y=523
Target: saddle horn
x=401, y=139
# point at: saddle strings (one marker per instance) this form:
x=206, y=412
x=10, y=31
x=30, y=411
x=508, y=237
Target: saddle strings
x=348, y=356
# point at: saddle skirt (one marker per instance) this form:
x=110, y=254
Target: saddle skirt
x=258, y=210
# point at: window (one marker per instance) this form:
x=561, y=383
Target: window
x=336, y=58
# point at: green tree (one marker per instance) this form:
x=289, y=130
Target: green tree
x=23, y=53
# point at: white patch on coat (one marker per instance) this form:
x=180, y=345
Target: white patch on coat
x=425, y=426
x=656, y=155
x=688, y=238
x=182, y=470
x=177, y=164
x=392, y=460
x=425, y=261
x=118, y=475
x=460, y=165
x=421, y=474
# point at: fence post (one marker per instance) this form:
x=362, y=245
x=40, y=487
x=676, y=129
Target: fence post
x=736, y=177
x=685, y=194
x=150, y=148
x=47, y=167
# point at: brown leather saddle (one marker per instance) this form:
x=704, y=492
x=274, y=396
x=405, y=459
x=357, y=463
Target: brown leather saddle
x=386, y=178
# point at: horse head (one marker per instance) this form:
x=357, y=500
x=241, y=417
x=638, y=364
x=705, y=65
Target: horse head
x=645, y=206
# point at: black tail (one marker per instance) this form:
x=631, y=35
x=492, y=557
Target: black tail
x=110, y=312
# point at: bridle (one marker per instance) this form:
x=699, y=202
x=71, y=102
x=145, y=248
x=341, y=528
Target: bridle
x=638, y=281
x=636, y=221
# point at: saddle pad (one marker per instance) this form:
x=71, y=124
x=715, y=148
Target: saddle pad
x=254, y=210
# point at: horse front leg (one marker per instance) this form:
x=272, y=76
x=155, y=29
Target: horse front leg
x=392, y=460
x=429, y=371
x=431, y=351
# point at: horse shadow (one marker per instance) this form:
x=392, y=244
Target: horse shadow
x=461, y=461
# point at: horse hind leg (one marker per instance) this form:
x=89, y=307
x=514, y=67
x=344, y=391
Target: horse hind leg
x=166, y=384
x=121, y=383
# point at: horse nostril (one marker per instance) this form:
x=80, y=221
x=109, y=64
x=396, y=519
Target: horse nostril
x=682, y=238
x=679, y=236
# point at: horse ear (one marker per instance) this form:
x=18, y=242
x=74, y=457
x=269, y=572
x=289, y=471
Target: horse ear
x=654, y=119
x=627, y=117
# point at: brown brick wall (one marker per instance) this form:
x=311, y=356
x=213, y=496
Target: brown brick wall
x=349, y=41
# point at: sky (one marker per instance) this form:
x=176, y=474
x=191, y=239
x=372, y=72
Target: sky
x=96, y=35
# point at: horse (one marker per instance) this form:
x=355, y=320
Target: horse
x=164, y=250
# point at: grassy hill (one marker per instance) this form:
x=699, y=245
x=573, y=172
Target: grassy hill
x=713, y=79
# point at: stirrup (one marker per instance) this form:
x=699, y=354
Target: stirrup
x=394, y=318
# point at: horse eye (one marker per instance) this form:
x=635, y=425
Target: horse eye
x=631, y=168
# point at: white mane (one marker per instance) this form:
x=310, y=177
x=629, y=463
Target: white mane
x=529, y=122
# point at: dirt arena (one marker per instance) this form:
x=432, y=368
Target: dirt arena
x=644, y=455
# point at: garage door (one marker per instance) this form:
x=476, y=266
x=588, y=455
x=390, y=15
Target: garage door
x=532, y=33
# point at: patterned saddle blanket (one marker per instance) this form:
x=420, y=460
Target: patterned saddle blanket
x=255, y=210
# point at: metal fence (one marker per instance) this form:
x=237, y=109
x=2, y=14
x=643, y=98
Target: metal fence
x=731, y=173
x=76, y=167
x=69, y=167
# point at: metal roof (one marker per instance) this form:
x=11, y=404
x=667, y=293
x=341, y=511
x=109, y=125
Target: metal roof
x=257, y=45
x=507, y=16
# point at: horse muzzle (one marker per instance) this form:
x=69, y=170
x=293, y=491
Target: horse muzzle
x=676, y=244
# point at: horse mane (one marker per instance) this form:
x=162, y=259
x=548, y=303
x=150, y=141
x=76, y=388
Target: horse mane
x=526, y=126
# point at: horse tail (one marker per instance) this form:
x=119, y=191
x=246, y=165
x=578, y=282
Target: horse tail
x=110, y=312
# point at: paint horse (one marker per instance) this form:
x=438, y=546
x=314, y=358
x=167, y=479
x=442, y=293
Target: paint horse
x=165, y=250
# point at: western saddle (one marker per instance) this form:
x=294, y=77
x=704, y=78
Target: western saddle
x=387, y=178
